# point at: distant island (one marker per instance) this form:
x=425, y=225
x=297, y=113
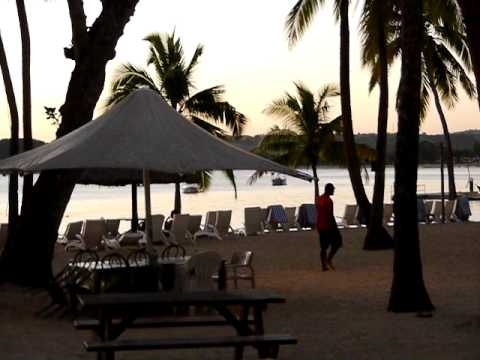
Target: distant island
x=466, y=145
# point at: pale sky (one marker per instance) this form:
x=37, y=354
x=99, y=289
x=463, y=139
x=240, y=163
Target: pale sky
x=245, y=49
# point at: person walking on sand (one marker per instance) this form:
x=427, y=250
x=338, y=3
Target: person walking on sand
x=328, y=233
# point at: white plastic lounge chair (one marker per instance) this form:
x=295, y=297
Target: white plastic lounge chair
x=112, y=226
x=387, y=214
x=429, y=210
x=253, y=221
x=201, y=268
x=71, y=232
x=193, y=225
x=306, y=216
x=178, y=231
x=350, y=216
x=157, y=227
x=291, y=221
x=277, y=217
x=221, y=226
x=450, y=210
x=92, y=234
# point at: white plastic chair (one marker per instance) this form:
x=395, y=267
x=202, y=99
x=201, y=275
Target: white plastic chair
x=71, y=232
x=291, y=221
x=178, y=231
x=201, y=268
x=350, y=216
x=92, y=234
x=253, y=221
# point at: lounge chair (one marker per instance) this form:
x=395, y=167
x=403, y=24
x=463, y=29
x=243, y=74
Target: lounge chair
x=463, y=211
x=387, y=214
x=306, y=216
x=157, y=227
x=350, y=216
x=220, y=228
x=277, y=217
x=450, y=207
x=450, y=210
x=112, y=226
x=291, y=220
x=429, y=210
x=253, y=221
x=193, y=225
x=91, y=237
x=178, y=231
x=71, y=232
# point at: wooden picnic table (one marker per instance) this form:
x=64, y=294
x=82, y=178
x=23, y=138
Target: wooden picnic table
x=128, y=306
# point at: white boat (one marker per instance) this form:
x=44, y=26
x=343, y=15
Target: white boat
x=191, y=189
x=278, y=180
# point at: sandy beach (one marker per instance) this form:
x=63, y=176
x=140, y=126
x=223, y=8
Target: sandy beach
x=335, y=315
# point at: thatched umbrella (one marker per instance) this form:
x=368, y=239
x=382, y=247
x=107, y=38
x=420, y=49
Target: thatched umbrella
x=142, y=133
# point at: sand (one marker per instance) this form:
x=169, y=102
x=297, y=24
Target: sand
x=335, y=315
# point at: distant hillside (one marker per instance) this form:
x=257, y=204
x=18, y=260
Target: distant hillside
x=5, y=146
x=465, y=144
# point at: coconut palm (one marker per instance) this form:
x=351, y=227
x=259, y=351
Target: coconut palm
x=172, y=77
x=375, y=27
x=26, y=95
x=408, y=292
x=12, y=104
x=308, y=134
x=297, y=22
x=471, y=18
x=445, y=62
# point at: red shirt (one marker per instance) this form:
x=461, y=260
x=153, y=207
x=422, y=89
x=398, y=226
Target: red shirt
x=324, y=206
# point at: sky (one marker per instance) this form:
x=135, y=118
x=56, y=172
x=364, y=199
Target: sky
x=245, y=49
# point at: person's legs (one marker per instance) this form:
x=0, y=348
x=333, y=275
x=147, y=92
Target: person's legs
x=336, y=243
x=323, y=237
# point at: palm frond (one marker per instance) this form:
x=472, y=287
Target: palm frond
x=231, y=178
x=205, y=125
x=299, y=18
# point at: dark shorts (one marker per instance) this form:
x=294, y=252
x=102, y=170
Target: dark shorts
x=330, y=237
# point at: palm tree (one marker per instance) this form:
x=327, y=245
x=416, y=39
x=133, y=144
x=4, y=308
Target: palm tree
x=375, y=30
x=297, y=22
x=445, y=61
x=309, y=132
x=12, y=104
x=408, y=292
x=471, y=18
x=27, y=102
x=172, y=78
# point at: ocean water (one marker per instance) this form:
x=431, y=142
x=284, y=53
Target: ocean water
x=90, y=202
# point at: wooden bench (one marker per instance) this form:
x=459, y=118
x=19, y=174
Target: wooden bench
x=164, y=321
x=268, y=345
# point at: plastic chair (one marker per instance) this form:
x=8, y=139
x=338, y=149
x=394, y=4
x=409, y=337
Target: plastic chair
x=71, y=232
x=291, y=223
x=178, y=231
x=173, y=250
x=239, y=267
x=350, y=216
x=201, y=268
x=92, y=234
x=306, y=216
x=276, y=217
x=253, y=221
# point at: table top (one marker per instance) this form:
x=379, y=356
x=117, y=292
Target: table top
x=99, y=265
x=211, y=297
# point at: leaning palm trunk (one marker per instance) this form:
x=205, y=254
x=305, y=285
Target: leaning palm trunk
x=177, y=207
x=450, y=164
x=353, y=161
x=27, y=96
x=315, y=180
x=408, y=292
x=38, y=225
x=12, y=104
x=471, y=17
x=377, y=237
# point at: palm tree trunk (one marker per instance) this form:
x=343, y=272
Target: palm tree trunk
x=353, y=161
x=12, y=104
x=27, y=96
x=178, y=199
x=134, y=220
x=471, y=18
x=36, y=236
x=377, y=237
x=450, y=164
x=315, y=181
x=408, y=292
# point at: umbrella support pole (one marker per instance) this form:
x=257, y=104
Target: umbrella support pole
x=148, y=212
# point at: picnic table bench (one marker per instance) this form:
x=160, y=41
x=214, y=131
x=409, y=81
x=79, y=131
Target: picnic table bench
x=119, y=311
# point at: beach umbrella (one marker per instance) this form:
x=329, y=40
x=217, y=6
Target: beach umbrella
x=142, y=133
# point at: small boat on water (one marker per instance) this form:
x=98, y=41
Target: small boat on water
x=278, y=180
x=191, y=189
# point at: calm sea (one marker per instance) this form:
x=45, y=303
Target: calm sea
x=115, y=202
